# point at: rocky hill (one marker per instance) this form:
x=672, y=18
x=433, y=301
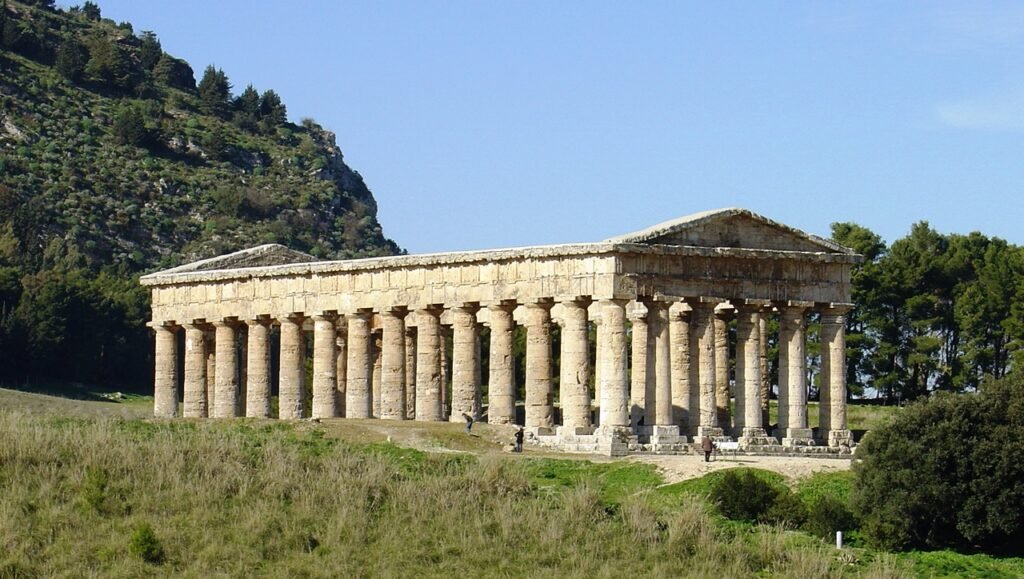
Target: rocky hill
x=115, y=161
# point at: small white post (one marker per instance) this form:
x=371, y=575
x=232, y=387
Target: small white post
x=839, y=539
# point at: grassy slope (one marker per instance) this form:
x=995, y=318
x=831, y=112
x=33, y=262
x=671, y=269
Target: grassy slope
x=80, y=479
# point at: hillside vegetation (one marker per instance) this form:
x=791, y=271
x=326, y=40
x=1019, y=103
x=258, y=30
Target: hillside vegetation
x=114, y=161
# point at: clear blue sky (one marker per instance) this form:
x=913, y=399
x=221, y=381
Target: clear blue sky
x=485, y=124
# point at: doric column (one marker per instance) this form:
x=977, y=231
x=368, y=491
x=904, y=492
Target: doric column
x=658, y=324
x=598, y=363
x=679, y=336
x=211, y=369
x=465, y=388
x=614, y=372
x=165, y=378
x=539, y=403
x=358, y=401
x=377, y=355
x=291, y=390
x=501, y=387
x=722, y=317
x=766, y=386
x=638, y=370
x=227, y=369
x=341, y=363
x=574, y=381
x=704, y=338
x=793, y=374
x=832, y=408
x=651, y=365
x=325, y=366
x=195, y=405
x=748, y=373
x=429, y=388
x=410, y=373
x=257, y=394
x=392, y=387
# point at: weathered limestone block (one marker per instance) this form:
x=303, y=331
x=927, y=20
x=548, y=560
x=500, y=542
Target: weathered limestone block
x=501, y=379
x=539, y=401
x=325, y=366
x=574, y=379
x=165, y=390
x=392, y=404
x=292, y=377
x=429, y=388
x=257, y=403
x=465, y=352
x=227, y=384
x=358, y=400
x=195, y=405
x=614, y=401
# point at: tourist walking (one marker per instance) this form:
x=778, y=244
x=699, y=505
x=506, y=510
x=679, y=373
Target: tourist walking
x=469, y=422
x=707, y=446
x=519, y=439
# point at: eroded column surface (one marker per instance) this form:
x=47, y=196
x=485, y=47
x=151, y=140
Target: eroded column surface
x=227, y=370
x=832, y=408
x=165, y=379
x=410, y=373
x=574, y=366
x=429, y=388
x=341, y=363
x=679, y=337
x=766, y=387
x=722, y=394
x=704, y=335
x=793, y=375
x=748, y=374
x=195, y=405
x=358, y=400
x=614, y=372
x=257, y=394
x=325, y=366
x=291, y=390
x=392, y=398
x=539, y=400
x=659, y=323
x=638, y=367
x=465, y=389
x=501, y=380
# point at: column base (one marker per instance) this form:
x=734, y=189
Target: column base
x=755, y=437
x=840, y=439
x=660, y=434
x=798, y=437
x=712, y=432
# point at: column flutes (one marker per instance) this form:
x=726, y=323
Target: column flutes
x=574, y=382
x=638, y=368
x=539, y=399
x=291, y=389
x=257, y=403
x=392, y=400
x=614, y=402
x=748, y=373
x=165, y=382
x=679, y=336
x=793, y=375
x=832, y=407
x=429, y=388
x=465, y=389
x=704, y=336
x=227, y=369
x=501, y=381
x=195, y=405
x=358, y=399
x=325, y=366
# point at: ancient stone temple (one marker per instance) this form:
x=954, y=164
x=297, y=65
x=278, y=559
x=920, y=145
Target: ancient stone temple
x=681, y=315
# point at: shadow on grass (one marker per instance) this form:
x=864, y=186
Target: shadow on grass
x=73, y=391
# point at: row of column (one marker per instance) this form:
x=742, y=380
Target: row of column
x=679, y=351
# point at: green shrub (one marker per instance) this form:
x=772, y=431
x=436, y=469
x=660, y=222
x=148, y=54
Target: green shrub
x=787, y=510
x=144, y=544
x=828, y=515
x=947, y=473
x=743, y=496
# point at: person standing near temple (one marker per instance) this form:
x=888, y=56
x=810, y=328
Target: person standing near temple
x=707, y=446
x=519, y=439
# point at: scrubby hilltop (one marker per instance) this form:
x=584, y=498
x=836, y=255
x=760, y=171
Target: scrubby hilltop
x=114, y=161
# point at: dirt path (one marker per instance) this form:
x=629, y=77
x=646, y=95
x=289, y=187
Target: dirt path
x=679, y=468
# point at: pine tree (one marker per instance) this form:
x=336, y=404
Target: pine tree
x=272, y=112
x=91, y=10
x=71, y=59
x=130, y=126
x=247, y=108
x=150, y=50
x=214, y=92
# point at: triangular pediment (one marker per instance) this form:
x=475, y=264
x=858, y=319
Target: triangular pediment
x=733, y=227
x=259, y=256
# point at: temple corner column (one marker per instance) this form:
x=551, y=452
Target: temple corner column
x=832, y=424
x=165, y=379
